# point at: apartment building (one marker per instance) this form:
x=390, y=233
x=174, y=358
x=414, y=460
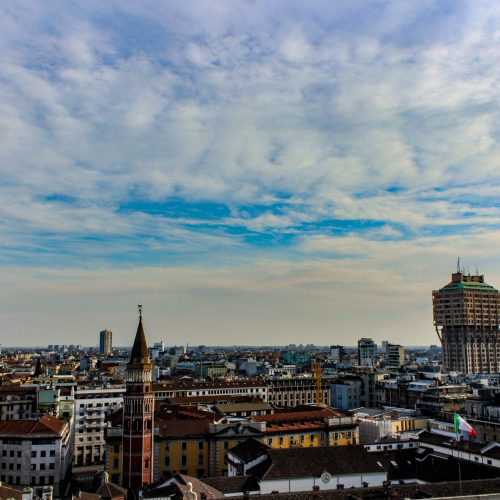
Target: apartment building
x=395, y=356
x=189, y=388
x=93, y=404
x=35, y=453
x=367, y=352
x=308, y=426
x=296, y=391
x=17, y=402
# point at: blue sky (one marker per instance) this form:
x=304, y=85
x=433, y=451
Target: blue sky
x=253, y=172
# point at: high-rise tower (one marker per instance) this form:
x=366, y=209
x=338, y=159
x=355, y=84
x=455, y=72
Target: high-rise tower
x=138, y=410
x=467, y=319
x=105, y=342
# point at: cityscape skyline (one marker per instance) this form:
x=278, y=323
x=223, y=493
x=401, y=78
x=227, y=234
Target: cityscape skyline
x=301, y=173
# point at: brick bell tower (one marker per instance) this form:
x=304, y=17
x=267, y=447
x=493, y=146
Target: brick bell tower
x=138, y=410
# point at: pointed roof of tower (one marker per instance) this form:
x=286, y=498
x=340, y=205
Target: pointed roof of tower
x=140, y=353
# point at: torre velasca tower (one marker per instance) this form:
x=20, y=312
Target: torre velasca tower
x=138, y=410
x=466, y=317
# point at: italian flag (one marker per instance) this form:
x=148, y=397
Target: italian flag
x=462, y=425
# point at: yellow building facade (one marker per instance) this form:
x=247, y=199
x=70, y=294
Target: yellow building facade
x=197, y=446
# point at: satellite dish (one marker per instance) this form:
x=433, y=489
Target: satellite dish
x=326, y=477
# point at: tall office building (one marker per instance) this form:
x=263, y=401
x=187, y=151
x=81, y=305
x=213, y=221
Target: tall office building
x=466, y=317
x=105, y=342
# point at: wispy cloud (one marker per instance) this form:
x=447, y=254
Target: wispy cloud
x=171, y=133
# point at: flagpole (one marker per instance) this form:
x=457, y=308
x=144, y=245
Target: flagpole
x=459, y=468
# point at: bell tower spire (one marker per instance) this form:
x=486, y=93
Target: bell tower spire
x=138, y=412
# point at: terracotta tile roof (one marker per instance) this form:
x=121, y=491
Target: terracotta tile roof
x=47, y=425
x=183, y=429
x=216, y=398
x=16, y=389
x=7, y=492
x=315, y=414
x=183, y=423
x=237, y=406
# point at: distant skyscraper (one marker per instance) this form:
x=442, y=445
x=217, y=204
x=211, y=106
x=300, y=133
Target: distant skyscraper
x=466, y=317
x=105, y=342
x=367, y=352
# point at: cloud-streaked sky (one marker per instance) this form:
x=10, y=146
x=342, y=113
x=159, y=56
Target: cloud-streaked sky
x=254, y=172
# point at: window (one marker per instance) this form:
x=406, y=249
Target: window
x=167, y=461
x=33, y=454
x=184, y=445
x=183, y=460
x=200, y=445
x=200, y=459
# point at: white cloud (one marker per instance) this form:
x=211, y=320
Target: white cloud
x=373, y=111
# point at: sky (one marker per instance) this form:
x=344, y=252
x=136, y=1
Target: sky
x=252, y=172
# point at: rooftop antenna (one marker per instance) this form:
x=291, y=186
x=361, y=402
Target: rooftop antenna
x=477, y=271
x=458, y=264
